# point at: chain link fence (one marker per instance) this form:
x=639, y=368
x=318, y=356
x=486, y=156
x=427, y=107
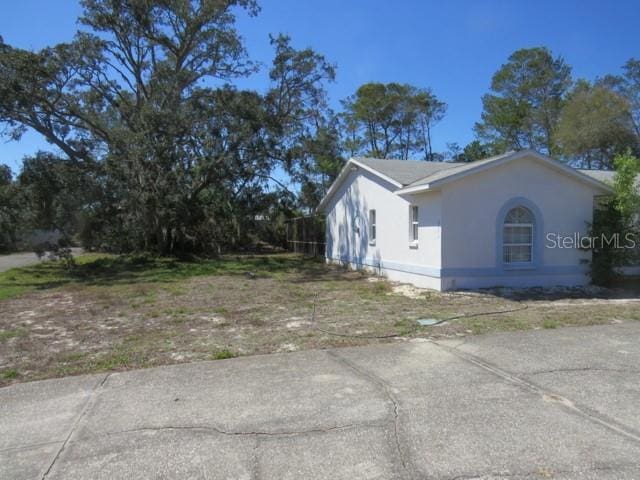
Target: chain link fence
x=306, y=235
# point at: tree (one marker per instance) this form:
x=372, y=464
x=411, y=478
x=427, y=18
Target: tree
x=627, y=85
x=430, y=111
x=475, y=150
x=390, y=120
x=617, y=218
x=310, y=137
x=142, y=99
x=625, y=184
x=595, y=125
x=56, y=192
x=527, y=95
x=11, y=210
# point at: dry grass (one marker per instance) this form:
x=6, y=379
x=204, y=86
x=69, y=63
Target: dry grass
x=117, y=314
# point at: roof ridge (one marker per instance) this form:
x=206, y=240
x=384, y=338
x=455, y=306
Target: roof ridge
x=466, y=164
x=416, y=160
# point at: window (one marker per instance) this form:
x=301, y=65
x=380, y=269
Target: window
x=518, y=237
x=372, y=227
x=413, y=223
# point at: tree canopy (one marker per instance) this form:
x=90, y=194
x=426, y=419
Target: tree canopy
x=595, y=125
x=155, y=147
x=527, y=96
x=141, y=97
x=391, y=120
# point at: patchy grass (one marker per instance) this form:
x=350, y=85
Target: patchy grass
x=7, y=334
x=10, y=374
x=116, y=313
x=222, y=354
x=112, y=270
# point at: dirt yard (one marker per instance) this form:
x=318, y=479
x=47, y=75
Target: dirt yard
x=116, y=313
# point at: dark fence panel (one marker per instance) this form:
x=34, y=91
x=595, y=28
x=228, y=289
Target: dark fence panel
x=306, y=235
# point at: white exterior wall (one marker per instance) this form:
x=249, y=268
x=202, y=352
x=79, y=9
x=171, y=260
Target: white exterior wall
x=471, y=257
x=391, y=255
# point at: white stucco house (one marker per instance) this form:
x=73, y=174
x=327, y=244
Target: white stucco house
x=449, y=226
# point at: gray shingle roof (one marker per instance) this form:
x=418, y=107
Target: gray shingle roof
x=459, y=167
x=406, y=172
x=416, y=172
x=605, y=176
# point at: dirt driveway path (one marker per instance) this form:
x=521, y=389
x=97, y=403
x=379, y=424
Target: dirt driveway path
x=559, y=403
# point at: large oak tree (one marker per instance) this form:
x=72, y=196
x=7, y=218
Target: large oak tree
x=142, y=97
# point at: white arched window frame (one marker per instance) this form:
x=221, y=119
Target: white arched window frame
x=517, y=239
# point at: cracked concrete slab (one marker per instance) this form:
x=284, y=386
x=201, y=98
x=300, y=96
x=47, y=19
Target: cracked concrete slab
x=157, y=454
x=355, y=454
x=457, y=419
x=526, y=405
x=612, y=394
x=605, y=347
x=597, y=367
x=40, y=412
x=26, y=463
x=280, y=393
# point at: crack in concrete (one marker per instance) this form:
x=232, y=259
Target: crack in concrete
x=580, y=369
x=254, y=433
x=82, y=413
x=580, y=410
x=255, y=460
x=387, y=390
x=29, y=446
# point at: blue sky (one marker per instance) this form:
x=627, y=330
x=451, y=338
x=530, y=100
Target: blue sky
x=453, y=47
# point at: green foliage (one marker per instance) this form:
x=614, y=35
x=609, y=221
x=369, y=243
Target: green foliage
x=625, y=184
x=391, y=120
x=528, y=93
x=162, y=153
x=628, y=86
x=595, y=125
x=617, y=217
x=10, y=374
x=476, y=150
x=223, y=354
x=8, y=334
x=11, y=210
x=104, y=269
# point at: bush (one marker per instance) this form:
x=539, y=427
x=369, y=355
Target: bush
x=616, y=216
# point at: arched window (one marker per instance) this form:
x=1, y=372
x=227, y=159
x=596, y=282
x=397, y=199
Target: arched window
x=518, y=237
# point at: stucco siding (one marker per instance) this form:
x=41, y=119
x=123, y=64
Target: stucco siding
x=471, y=243
x=347, y=230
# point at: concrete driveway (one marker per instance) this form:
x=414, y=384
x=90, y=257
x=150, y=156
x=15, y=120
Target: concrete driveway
x=15, y=260
x=540, y=404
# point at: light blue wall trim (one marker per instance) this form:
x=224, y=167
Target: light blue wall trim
x=501, y=272
x=538, y=237
x=435, y=272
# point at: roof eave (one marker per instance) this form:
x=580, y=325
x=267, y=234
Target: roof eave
x=499, y=161
x=414, y=189
x=343, y=175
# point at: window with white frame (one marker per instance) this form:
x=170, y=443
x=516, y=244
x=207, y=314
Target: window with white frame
x=413, y=223
x=372, y=227
x=518, y=237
